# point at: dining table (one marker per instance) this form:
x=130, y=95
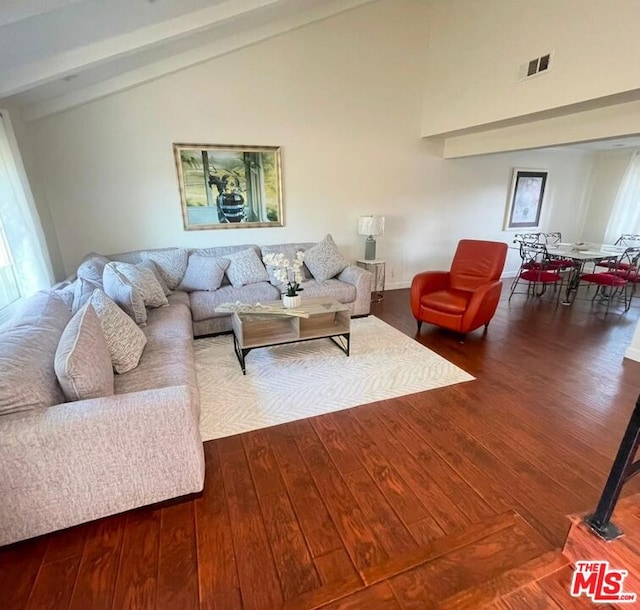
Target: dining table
x=580, y=255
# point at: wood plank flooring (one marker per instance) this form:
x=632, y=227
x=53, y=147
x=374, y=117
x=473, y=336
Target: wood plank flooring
x=329, y=504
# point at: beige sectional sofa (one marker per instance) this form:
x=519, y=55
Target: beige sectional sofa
x=65, y=463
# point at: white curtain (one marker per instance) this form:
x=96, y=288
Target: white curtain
x=19, y=218
x=625, y=214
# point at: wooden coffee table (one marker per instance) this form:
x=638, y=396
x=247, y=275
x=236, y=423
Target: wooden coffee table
x=327, y=319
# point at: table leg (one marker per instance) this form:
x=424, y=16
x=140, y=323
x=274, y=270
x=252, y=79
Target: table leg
x=240, y=354
x=572, y=284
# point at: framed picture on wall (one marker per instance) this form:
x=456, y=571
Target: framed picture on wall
x=525, y=199
x=229, y=187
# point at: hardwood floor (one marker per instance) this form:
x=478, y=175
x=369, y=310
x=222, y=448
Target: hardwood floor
x=318, y=509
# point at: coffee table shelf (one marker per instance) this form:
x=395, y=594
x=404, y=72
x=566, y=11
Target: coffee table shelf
x=327, y=320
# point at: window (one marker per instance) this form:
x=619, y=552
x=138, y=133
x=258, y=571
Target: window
x=24, y=260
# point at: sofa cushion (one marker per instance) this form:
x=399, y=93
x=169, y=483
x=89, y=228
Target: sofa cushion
x=92, y=268
x=204, y=273
x=124, y=339
x=203, y=303
x=27, y=353
x=332, y=289
x=120, y=290
x=82, y=361
x=163, y=364
x=151, y=266
x=324, y=259
x=145, y=281
x=168, y=323
x=246, y=267
x=172, y=264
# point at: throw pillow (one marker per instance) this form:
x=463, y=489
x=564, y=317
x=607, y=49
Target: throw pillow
x=171, y=263
x=204, y=273
x=83, y=363
x=92, y=268
x=124, y=339
x=145, y=281
x=245, y=267
x=27, y=353
x=128, y=297
x=324, y=259
x=82, y=290
x=151, y=266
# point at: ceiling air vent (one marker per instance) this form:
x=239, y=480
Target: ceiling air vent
x=534, y=67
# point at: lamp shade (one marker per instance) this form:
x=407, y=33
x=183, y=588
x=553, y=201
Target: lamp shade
x=371, y=225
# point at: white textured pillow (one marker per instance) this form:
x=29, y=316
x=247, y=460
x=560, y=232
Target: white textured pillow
x=145, y=281
x=122, y=292
x=171, y=263
x=245, y=267
x=324, y=259
x=124, y=339
x=83, y=363
x=204, y=273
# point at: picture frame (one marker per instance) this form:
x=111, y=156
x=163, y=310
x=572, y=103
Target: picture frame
x=229, y=186
x=526, y=198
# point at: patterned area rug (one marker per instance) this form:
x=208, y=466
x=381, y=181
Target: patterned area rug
x=299, y=380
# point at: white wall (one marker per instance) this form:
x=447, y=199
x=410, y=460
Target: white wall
x=476, y=48
x=343, y=99
x=608, y=171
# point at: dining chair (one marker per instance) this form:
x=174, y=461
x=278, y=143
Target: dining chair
x=626, y=240
x=537, y=270
x=620, y=279
x=551, y=239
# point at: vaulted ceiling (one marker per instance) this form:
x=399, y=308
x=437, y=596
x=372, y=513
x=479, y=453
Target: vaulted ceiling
x=56, y=54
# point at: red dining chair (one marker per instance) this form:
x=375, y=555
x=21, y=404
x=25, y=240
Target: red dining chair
x=537, y=271
x=620, y=277
x=626, y=240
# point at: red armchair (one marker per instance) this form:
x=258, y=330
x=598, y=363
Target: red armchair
x=466, y=297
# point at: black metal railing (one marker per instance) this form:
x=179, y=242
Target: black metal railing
x=622, y=470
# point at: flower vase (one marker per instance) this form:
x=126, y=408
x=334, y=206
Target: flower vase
x=291, y=302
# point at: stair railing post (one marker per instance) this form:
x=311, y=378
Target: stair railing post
x=621, y=470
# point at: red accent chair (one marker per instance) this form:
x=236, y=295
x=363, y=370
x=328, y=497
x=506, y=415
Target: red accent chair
x=466, y=297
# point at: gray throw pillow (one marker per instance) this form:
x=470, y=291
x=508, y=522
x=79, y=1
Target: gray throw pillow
x=204, y=273
x=124, y=339
x=145, y=281
x=27, y=353
x=172, y=264
x=122, y=292
x=83, y=363
x=151, y=266
x=245, y=267
x=324, y=259
x=92, y=268
x=82, y=290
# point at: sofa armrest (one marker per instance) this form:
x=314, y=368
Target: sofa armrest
x=80, y=461
x=361, y=279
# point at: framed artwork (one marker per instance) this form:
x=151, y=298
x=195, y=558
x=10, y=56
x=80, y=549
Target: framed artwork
x=525, y=199
x=229, y=187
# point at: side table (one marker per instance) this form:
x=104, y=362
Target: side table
x=377, y=268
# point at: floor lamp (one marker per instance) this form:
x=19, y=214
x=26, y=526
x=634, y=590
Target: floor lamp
x=370, y=226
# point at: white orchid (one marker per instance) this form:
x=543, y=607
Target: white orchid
x=286, y=271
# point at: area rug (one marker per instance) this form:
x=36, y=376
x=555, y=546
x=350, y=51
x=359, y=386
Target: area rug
x=299, y=380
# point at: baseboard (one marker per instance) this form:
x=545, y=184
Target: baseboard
x=633, y=353
x=397, y=285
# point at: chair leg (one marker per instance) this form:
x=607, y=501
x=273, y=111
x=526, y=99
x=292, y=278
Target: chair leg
x=463, y=338
x=513, y=287
x=419, y=325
